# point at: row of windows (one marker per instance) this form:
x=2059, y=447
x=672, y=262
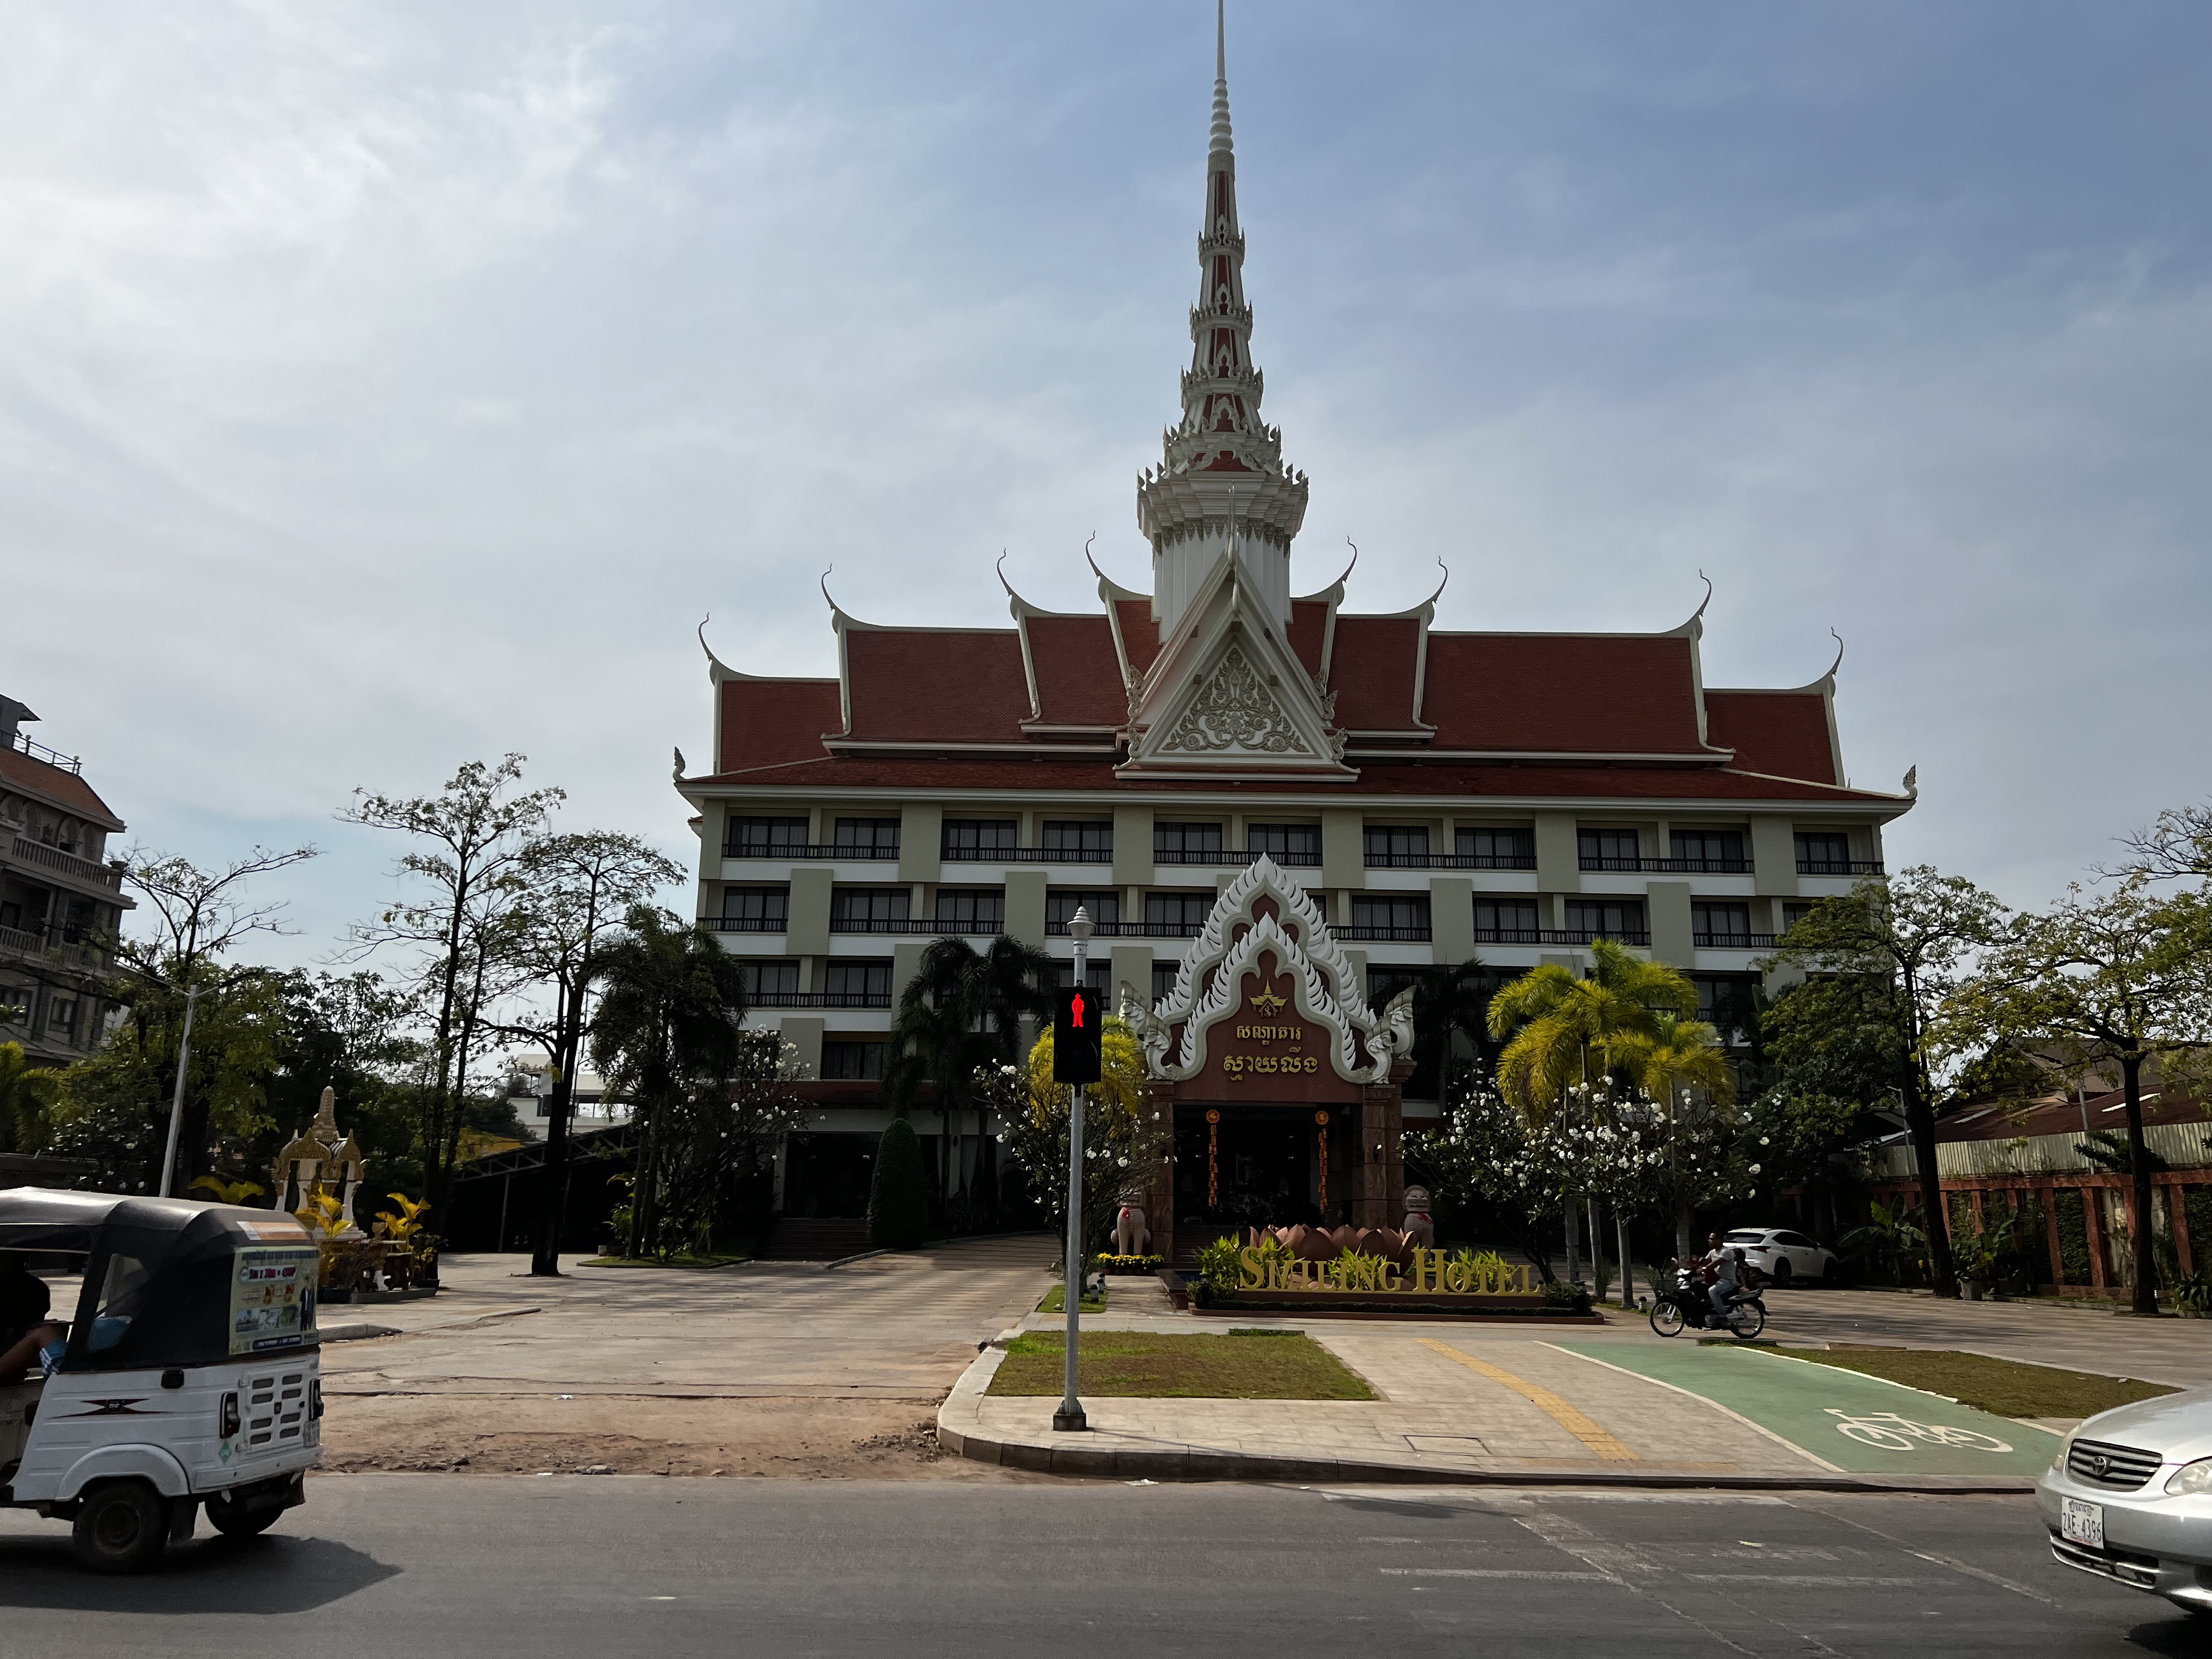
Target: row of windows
x=1383, y=845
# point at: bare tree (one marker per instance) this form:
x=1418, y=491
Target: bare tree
x=576, y=889
x=2178, y=848
x=469, y=841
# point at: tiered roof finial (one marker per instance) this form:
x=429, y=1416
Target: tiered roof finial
x=1221, y=442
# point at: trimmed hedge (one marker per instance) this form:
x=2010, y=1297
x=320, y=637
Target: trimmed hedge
x=898, y=1197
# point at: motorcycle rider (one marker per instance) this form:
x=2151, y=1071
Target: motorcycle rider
x=1728, y=1286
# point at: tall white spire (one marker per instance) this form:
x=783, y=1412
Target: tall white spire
x=1221, y=445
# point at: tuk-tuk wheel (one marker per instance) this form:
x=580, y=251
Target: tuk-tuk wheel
x=235, y=1519
x=121, y=1527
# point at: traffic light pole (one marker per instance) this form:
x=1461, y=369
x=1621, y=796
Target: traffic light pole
x=1070, y=1416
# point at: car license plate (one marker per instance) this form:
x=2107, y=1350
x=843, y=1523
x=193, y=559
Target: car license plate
x=2081, y=1522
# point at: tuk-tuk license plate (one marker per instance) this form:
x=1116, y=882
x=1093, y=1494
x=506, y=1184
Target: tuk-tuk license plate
x=2081, y=1522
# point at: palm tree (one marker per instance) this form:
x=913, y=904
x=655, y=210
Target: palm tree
x=28, y=1093
x=1449, y=1005
x=672, y=1013
x=964, y=1010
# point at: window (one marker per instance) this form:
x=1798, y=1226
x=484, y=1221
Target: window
x=1384, y=984
x=766, y=838
x=1824, y=854
x=864, y=909
x=1390, y=916
x=1396, y=846
x=1793, y=913
x=1621, y=919
x=1286, y=843
x=755, y=910
x=855, y=1062
x=1097, y=974
x=1729, y=1004
x=1506, y=921
x=971, y=909
x=1795, y=1242
x=863, y=983
x=979, y=838
x=1498, y=849
x=769, y=978
x=1187, y=844
x=868, y=837
x=60, y=1015
x=1061, y=903
x=1176, y=916
x=1163, y=979
x=1093, y=835
x=1609, y=849
x=1720, y=925
x=1712, y=850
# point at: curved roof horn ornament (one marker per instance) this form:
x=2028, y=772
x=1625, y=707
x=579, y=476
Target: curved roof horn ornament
x=1698, y=614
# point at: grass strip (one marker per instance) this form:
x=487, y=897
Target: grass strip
x=682, y=1259
x=1055, y=1301
x=2004, y=1388
x=1145, y=1365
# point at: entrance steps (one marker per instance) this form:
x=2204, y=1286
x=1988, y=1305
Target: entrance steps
x=804, y=1238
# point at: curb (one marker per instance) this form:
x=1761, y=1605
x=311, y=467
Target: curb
x=956, y=1432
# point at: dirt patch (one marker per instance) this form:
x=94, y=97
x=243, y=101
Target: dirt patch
x=596, y=1434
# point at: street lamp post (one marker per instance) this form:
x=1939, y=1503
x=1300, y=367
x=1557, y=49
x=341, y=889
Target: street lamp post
x=177, y=1101
x=1070, y=1416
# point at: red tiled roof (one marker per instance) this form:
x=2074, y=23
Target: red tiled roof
x=936, y=685
x=769, y=722
x=50, y=783
x=1473, y=779
x=1078, y=679
x=1783, y=732
x=1554, y=693
x=1371, y=671
x=1307, y=631
x=1140, y=635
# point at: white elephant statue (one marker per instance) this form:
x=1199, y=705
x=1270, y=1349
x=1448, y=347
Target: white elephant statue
x=1420, y=1230
x=1131, y=1236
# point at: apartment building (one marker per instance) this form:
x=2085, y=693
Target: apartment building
x=1445, y=794
x=61, y=896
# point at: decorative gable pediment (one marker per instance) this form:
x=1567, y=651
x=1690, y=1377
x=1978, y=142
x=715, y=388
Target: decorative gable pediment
x=1265, y=925
x=1233, y=711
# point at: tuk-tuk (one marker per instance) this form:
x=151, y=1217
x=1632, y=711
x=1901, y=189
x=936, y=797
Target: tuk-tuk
x=188, y=1377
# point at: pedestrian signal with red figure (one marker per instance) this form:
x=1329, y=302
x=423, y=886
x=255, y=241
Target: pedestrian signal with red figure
x=1075, y=1033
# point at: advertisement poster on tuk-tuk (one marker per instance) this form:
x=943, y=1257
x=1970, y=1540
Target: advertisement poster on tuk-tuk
x=272, y=1299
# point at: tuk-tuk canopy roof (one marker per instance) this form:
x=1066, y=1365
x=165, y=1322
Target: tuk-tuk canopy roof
x=42, y=1218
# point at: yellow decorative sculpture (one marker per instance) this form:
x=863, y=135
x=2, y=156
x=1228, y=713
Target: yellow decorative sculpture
x=320, y=1157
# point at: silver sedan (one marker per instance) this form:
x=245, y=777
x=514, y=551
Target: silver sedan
x=2129, y=1497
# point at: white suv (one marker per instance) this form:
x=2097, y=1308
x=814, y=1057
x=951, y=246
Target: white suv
x=1785, y=1257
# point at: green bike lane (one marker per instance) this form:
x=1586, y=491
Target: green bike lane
x=1853, y=1423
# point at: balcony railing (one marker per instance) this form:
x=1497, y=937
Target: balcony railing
x=69, y=864
x=1733, y=941
x=1839, y=866
x=1132, y=929
x=1557, y=936
x=819, y=999
x=1450, y=861
x=746, y=924
x=941, y=925
x=54, y=757
x=1027, y=855
x=1671, y=866
x=16, y=938
x=804, y=850
x=1416, y=935
x=1228, y=857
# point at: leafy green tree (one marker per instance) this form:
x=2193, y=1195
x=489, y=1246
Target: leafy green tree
x=1563, y=1028
x=464, y=867
x=28, y=1093
x=1909, y=940
x=898, y=1193
x=2123, y=978
x=1123, y=1139
x=1451, y=1026
x=669, y=1037
x=353, y=1033
x=962, y=1011
x=574, y=890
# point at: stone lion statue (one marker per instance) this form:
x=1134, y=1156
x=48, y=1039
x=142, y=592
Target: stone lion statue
x=1419, y=1228
x=1131, y=1236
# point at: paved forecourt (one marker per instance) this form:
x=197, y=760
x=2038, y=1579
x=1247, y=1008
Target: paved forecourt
x=1495, y=1400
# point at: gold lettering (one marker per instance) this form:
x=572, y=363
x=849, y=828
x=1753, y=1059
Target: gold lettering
x=1251, y=1275
x=1456, y=1278
x=1388, y=1277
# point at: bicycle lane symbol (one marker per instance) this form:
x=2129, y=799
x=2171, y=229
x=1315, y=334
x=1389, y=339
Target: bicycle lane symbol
x=1893, y=1432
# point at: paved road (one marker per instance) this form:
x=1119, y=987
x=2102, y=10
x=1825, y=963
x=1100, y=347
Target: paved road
x=596, y=1567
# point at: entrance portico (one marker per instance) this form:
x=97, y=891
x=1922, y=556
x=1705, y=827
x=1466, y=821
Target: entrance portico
x=1282, y=1084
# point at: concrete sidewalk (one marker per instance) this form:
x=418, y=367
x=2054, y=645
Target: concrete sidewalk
x=1496, y=1403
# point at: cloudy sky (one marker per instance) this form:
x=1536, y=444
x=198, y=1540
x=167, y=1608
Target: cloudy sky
x=382, y=387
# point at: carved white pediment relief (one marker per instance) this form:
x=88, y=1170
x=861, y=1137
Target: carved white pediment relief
x=1324, y=985
x=1235, y=711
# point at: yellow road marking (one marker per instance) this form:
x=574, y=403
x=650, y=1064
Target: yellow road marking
x=1598, y=1439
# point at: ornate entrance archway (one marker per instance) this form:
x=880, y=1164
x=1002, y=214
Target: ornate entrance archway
x=1283, y=1085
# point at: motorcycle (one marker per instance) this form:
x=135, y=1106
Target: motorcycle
x=1687, y=1305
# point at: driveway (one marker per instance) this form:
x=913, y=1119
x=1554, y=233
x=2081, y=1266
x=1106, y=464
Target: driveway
x=771, y=1367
